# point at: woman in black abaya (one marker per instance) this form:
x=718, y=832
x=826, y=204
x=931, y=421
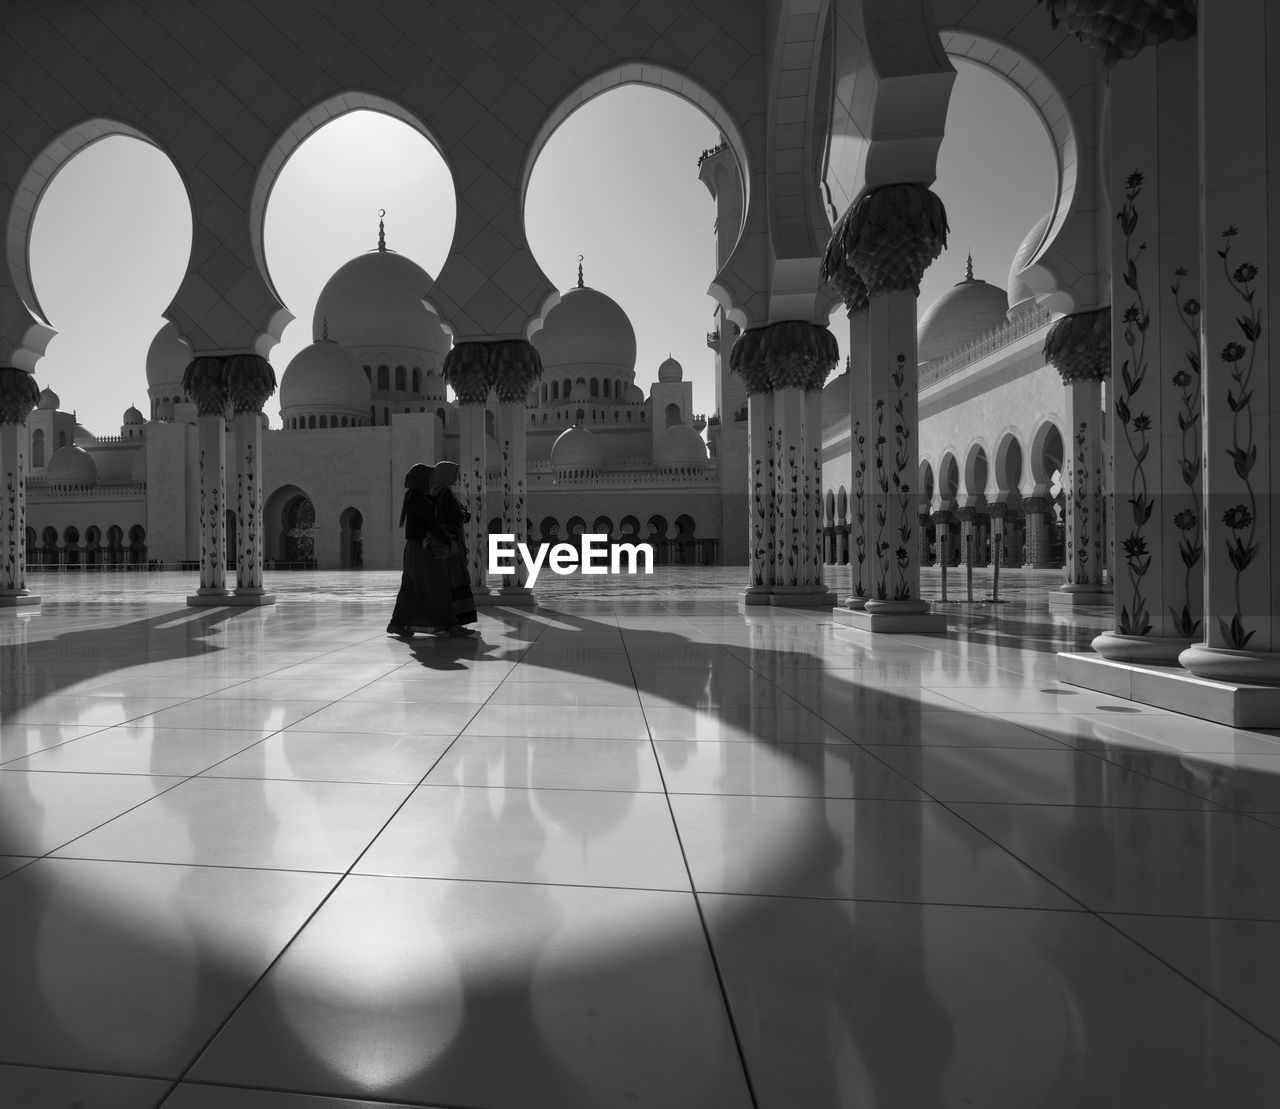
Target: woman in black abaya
x=450, y=514
x=424, y=597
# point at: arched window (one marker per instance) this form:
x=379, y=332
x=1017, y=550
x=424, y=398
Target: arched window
x=417, y=379
x=344, y=421
x=386, y=415
x=581, y=415
x=606, y=386
x=62, y=439
x=384, y=378
x=399, y=379
x=595, y=386
x=311, y=421
x=642, y=414
x=544, y=392
x=489, y=428
x=673, y=415
x=441, y=414
x=324, y=421
x=566, y=388
x=555, y=390
x=37, y=448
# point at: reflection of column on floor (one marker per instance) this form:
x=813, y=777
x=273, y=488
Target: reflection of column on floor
x=1079, y=348
x=1037, y=515
x=1241, y=248
x=941, y=537
x=466, y=368
x=205, y=383
x=18, y=396
x=250, y=382
x=515, y=367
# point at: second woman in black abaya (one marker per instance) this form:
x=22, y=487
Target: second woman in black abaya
x=424, y=600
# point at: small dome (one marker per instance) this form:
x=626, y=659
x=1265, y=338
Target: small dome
x=324, y=376
x=375, y=301
x=967, y=311
x=670, y=370
x=132, y=417
x=138, y=468
x=432, y=386
x=72, y=466
x=167, y=358
x=587, y=329
x=49, y=401
x=680, y=445
x=635, y=395
x=576, y=449
x=1019, y=292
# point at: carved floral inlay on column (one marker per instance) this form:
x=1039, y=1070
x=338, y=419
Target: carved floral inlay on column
x=1190, y=461
x=1240, y=358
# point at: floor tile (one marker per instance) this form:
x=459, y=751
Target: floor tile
x=38, y=1087
x=574, y=836
x=957, y=728
x=547, y=763
x=1034, y=777
x=910, y=1005
x=40, y=812
x=303, y=754
x=411, y=990
x=241, y=822
x=875, y=850
x=141, y=749
x=783, y=769
x=1166, y=861
x=17, y=741
x=744, y=723
x=85, y=710
x=129, y=967
x=417, y=718
x=10, y=863
x=565, y=695
x=234, y=715
x=617, y=722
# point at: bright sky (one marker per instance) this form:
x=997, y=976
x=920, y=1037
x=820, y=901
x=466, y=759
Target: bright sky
x=617, y=183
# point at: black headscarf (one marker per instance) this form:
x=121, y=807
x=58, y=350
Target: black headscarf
x=418, y=477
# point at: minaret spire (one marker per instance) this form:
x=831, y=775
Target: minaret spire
x=382, y=231
x=580, y=285
x=968, y=269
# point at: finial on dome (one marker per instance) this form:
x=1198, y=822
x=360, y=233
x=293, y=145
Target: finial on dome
x=382, y=231
x=580, y=285
x=968, y=268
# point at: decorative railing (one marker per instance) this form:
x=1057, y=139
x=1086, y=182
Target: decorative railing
x=713, y=339
x=712, y=150
x=39, y=490
x=1011, y=331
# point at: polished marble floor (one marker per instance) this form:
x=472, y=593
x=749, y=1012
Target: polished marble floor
x=635, y=848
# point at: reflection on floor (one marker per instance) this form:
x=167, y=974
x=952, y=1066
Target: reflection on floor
x=636, y=848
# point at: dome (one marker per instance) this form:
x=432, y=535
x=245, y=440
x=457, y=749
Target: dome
x=324, y=376
x=1019, y=292
x=167, y=358
x=576, y=449
x=375, y=300
x=670, y=370
x=432, y=386
x=680, y=445
x=132, y=417
x=635, y=395
x=967, y=311
x=587, y=329
x=138, y=468
x=49, y=401
x=71, y=466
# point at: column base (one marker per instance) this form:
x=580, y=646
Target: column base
x=754, y=595
x=516, y=596
x=208, y=598
x=1236, y=704
x=901, y=623
x=1081, y=596
x=1221, y=664
x=250, y=598
x=21, y=599
x=1154, y=649
x=855, y=604
x=788, y=596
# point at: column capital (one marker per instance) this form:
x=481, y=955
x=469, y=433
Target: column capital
x=205, y=382
x=19, y=394
x=788, y=354
x=746, y=359
x=1078, y=346
x=249, y=381
x=1119, y=29
x=997, y=510
x=514, y=365
x=467, y=369
x=1032, y=505
x=887, y=238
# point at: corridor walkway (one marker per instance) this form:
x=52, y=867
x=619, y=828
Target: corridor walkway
x=635, y=848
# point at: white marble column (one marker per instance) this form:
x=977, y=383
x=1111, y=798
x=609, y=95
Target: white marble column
x=1037, y=510
x=859, y=422
x=515, y=367
x=250, y=382
x=1238, y=44
x=746, y=359
x=205, y=382
x=466, y=368
x=1155, y=408
x=18, y=396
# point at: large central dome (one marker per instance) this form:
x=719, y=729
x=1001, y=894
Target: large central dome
x=587, y=330
x=967, y=311
x=375, y=301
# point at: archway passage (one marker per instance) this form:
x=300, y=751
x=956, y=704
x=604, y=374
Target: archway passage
x=351, y=542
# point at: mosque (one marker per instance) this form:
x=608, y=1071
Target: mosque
x=783, y=829
x=358, y=406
